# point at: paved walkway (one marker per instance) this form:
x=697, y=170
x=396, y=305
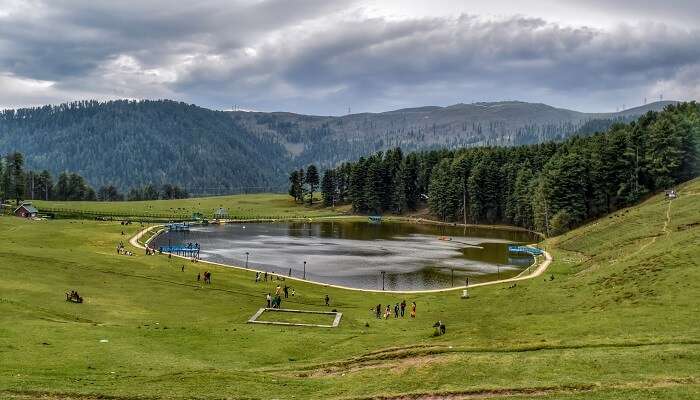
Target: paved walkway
x=539, y=270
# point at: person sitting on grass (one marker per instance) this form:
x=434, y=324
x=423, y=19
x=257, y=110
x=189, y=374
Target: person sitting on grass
x=439, y=328
x=328, y=299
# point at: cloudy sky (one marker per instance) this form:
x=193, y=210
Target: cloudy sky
x=325, y=56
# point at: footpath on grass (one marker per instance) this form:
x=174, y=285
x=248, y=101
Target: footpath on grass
x=540, y=266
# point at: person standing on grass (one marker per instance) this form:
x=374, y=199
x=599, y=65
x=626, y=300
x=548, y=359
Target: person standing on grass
x=199, y=277
x=387, y=312
x=269, y=301
x=413, y=310
x=379, y=311
x=328, y=299
x=396, y=310
x=286, y=291
x=278, y=290
x=257, y=277
x=403, y=307
x=265, y=276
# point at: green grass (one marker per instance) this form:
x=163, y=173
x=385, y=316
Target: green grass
x=249, y=206
x=297, y=318
x=619, y=321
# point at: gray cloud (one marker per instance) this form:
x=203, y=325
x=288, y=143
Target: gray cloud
x=321, y=56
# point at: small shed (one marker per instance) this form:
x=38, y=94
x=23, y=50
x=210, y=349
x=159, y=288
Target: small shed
x=221, y=213
x=26, y=210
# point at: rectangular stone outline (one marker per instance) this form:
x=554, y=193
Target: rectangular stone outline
x=254, y=318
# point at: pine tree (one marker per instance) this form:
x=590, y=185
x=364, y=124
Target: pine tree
x=328, y=188
x=293, y=189
x=462, y=169
x=409, y=180
x=443, y=197
x=374, y=187
x=398, y=199
x=312, y=180
x=358, y=177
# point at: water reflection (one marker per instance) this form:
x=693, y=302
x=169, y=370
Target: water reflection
x=413, y=256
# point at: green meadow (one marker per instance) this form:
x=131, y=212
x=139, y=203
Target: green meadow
x=614, y=317
x=247, y=206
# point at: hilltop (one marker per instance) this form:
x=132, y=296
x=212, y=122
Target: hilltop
x=132, y=143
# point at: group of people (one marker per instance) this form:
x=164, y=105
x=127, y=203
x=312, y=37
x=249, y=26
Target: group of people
x=399, y=309
x=262, y=276
x=206, y=276
x=276, y=301
x=74, y=297
x=122, y=250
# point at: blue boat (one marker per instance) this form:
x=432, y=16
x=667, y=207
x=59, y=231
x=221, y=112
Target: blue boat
x=534, y=251
x=375, y=219
x=178, y=227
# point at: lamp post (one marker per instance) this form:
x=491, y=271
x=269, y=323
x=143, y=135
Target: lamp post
x=383, y=273
x=246, y=259
x=453, y=276
x=499, y=271
x=304, y=270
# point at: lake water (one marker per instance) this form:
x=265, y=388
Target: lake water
x=412, y=256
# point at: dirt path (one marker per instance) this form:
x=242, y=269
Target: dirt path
x=664, y=229
x=539, y=270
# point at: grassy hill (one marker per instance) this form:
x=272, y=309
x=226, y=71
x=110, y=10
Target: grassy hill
x=618, y=321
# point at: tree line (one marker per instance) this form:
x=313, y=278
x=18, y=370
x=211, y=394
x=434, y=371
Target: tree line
x=19, y=184
x=549, y=187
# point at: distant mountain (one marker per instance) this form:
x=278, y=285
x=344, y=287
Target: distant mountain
x=130, y=143
x=330, y=140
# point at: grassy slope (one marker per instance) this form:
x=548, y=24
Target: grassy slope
x=239, y=206
x=618, y=321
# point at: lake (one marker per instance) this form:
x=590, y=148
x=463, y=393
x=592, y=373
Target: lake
x=411, y=256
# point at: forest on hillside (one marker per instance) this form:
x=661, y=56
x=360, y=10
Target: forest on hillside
x=129, y=144
x=550, y=187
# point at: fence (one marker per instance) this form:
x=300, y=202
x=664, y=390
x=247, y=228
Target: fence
x=146, y=216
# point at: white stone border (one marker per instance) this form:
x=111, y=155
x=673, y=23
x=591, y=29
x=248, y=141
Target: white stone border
x=336, y=321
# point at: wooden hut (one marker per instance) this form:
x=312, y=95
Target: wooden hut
x=26, y=210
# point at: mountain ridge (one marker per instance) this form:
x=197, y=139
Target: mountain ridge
x=130, y=143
